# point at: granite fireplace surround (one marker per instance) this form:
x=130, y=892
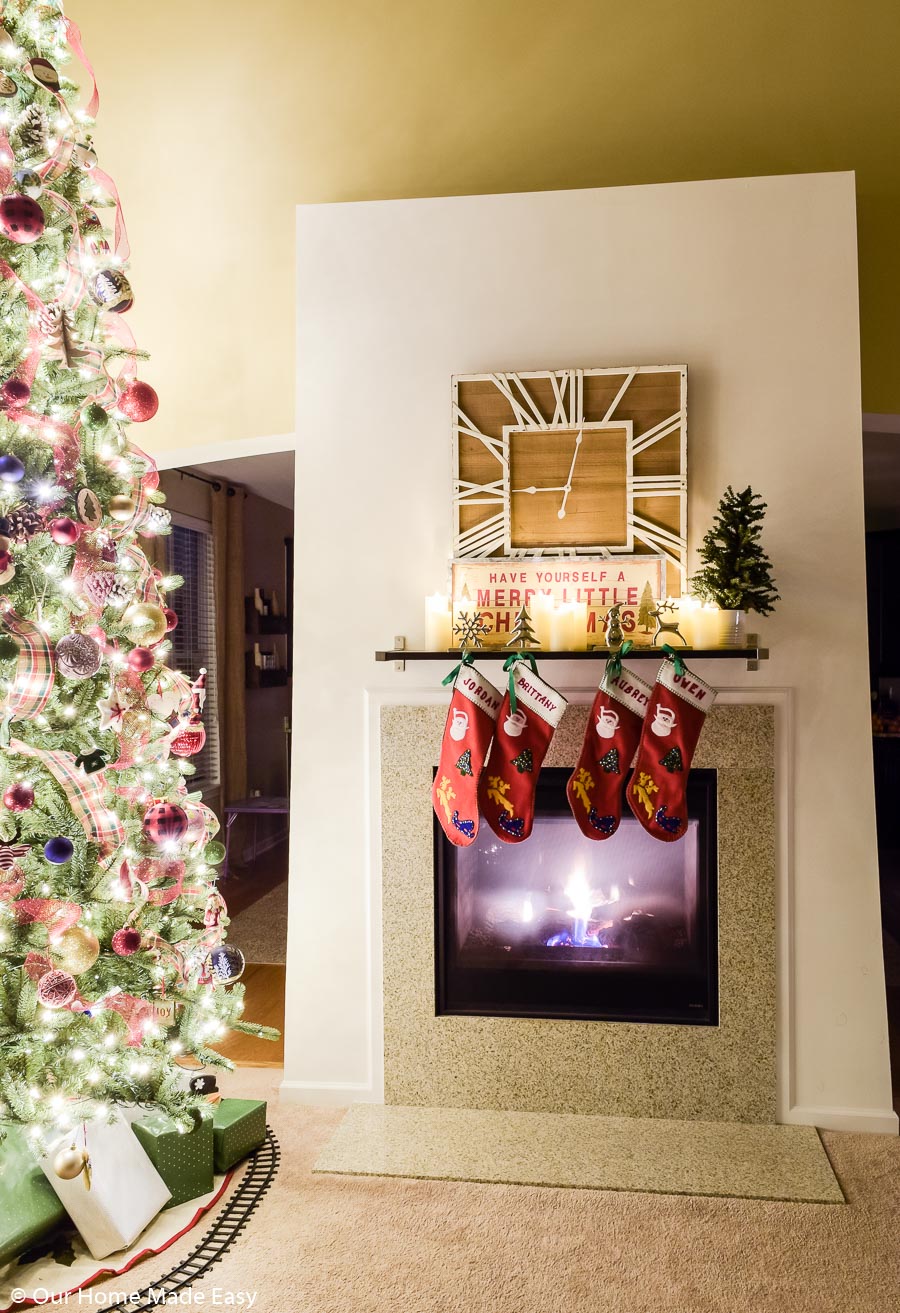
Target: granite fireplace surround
x=724, y=1072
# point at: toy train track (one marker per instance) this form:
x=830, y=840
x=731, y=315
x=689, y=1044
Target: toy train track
x=225, y=1230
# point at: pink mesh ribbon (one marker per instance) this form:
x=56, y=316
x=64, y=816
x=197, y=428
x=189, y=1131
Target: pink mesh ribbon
x=33, y=682
x=86, y=794
x=137, y=1013
x=10, y=889
x=56, y=915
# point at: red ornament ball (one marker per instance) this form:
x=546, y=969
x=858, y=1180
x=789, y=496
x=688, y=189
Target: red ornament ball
x=21, y=219
x=138, y=402
x=140, y=658
x=188, y=741
x=171, y=619
x=56, y=989
x=164, y=822
x=64, y=531
x=15, y=393
x=18, y=797
x=126, y=941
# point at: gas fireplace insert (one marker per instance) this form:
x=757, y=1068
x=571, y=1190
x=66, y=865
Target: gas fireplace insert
x=621, y=929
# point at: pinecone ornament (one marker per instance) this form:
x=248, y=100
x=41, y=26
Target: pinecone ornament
x=107, y=588
x=31, y=132
x=22, y=523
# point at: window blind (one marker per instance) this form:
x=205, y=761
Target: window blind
x=189, y=552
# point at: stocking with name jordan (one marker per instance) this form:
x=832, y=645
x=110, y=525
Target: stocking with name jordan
x=595, y=787
x=467, y=738
x=678, y=707
x=529, y=716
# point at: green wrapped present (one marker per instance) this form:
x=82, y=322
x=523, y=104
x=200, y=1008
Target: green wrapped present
x=29, y=1209
x=239, y=1127
x=184, y=1159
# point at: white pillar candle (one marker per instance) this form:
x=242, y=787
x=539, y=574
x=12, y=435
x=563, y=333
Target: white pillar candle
x=438, y=623
x=687, y=609
x=561, y=628
x=706, y=626
x=541, y=611
x=578, y=612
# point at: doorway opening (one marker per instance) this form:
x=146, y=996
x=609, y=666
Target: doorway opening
x=232, y=543
x=881, y=465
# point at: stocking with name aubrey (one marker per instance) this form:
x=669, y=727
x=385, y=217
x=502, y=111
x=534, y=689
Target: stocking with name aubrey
x=467, y=738
x=678, y=707
x=529, y=716
x=595, y=787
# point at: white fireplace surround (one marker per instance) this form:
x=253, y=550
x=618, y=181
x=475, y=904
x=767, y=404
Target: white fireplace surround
x=752, y=283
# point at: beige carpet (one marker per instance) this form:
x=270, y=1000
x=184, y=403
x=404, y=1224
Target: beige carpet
x=260, y=930
x=328, y=1244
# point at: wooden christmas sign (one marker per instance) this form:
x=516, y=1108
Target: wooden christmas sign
x=572, y=462
x=496, y=590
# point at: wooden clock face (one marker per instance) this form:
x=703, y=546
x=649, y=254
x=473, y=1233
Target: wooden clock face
x=571, y=462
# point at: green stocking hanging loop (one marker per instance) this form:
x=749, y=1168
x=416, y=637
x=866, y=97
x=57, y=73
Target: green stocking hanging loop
x=674, y=656
x=510, y=664
x=614, y=662
x=466, y=659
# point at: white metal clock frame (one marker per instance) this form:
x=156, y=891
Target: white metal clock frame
x=492, y=536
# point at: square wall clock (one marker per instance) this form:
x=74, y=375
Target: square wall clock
x=572, y=462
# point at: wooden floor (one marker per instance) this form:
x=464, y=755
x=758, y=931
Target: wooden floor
x=264, y=984
x=264, y=1003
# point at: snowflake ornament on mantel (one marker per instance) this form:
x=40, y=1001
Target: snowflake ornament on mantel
x=471, y=629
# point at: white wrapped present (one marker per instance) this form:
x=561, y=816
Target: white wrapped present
x=126, y=1191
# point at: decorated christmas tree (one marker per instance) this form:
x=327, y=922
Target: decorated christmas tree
x=112, y=961
x=736, y=573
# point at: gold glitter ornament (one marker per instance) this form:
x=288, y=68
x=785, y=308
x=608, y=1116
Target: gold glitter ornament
x=144, y=623
x=75, y=950
x=121, y=508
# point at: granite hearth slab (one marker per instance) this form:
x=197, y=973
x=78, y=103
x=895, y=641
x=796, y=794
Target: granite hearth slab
x=730, y=1159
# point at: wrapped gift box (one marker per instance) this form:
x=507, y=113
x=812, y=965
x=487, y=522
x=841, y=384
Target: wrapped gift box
x=126, y=1189
x=239, y=1127
x=29, y=1210
x=184, y=1160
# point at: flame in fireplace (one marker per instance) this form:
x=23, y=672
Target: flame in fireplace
x=584, y=903
x=527, y=910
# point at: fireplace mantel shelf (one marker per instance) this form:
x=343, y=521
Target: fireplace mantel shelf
x=399, y=654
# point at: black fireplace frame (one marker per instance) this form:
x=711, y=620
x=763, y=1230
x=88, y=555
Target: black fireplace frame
x=618, y=992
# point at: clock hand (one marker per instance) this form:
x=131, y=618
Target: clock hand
x=561, y=513
x=532, y=490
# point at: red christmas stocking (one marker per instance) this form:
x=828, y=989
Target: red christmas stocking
x=529, y=715
x=467, y=738
x=656, y=793
x=610, y=742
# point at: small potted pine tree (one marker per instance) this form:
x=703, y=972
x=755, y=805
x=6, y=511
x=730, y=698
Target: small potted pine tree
x=736, y=573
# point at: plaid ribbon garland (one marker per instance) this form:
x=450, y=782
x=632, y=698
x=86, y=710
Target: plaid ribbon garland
x=147, y=577
x=33, y=682
x=85, y=794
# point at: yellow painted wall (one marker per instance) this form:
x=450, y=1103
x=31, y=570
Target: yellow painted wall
x=218, y=118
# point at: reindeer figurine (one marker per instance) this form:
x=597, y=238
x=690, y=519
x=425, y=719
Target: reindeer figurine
x=665, y=626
